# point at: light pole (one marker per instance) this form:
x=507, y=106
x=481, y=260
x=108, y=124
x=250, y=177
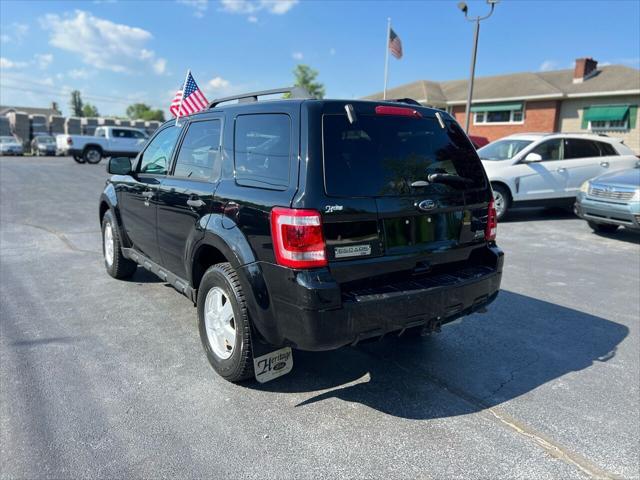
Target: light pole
x=465, y=9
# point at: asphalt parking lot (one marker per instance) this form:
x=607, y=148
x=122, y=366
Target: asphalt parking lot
x=107, y=379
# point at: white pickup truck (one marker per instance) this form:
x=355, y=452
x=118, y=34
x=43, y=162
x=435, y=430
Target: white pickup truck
x=107, y=142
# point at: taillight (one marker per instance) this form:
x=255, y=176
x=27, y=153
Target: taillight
x=297, y=238
x=401, y=111
x=492, y=223
x=69, y=141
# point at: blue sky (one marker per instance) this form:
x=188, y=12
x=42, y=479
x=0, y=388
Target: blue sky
x=118, y=52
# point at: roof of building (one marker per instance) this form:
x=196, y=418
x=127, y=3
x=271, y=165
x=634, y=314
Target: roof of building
x=554, y=84
x=4, y=109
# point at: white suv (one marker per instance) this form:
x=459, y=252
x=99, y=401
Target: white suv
x=548, y=169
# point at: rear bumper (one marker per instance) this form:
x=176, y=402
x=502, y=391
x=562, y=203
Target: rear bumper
x=314, y=313
x=623, y=214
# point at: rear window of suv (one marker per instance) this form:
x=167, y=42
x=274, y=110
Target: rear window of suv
x=383, y=155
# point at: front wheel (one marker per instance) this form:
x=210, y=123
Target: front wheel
x=114, y=261
x=92, y=155
x=603, y=227
x=501, y=200
x=223, y=323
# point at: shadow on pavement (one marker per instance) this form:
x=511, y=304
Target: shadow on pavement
x=521, y=344
x=526, y=214
x=623, y=235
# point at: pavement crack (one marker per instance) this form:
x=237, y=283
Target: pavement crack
x=61, y=236
x=512, y=376
x=503, y=419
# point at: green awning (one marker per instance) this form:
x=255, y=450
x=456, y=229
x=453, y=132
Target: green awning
x=496, y=107
x=605, y=112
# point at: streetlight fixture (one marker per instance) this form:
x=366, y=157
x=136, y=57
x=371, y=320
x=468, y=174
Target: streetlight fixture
x=465, y=9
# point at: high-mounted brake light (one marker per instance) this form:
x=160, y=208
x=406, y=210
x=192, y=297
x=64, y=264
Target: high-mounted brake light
x=297, y=238
x=398, y=111
x=492, y=222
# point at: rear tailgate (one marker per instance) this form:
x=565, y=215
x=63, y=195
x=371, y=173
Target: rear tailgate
x=378, y=220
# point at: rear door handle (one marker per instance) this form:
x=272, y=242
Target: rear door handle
x=195, y=203
x=604, y=164
x=561, y=170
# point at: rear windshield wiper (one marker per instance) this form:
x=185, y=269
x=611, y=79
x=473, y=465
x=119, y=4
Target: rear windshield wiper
x=449, y=179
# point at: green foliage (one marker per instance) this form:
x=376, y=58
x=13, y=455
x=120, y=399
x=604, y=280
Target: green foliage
x=305, y=77
x=75, y=105
x=143, y=111
x=89, y=110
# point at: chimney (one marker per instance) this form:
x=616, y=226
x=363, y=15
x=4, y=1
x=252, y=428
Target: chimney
x=585, y=68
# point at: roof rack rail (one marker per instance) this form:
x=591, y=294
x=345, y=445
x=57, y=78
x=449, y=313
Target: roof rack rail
x=407, y=100
x=295, y=92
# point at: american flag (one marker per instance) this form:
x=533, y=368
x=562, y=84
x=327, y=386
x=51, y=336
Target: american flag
x=395, y=45
x=193, y=100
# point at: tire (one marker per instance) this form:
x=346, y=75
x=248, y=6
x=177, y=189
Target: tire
x=92, y=155
x=116, y=264
x=603, y=227
x=219, y=287
x=502, y=198
x=78, y=159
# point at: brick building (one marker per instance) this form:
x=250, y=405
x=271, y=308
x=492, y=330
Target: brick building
x=585, y=99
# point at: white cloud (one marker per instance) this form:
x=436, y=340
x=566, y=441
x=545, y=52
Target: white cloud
x=252, y=19
x=199, y=6
x=14, y=33
x=160, y=65
x=218, y=83
x=297, y=55
x=548, y=65
x=43, y=60
x=78, y=74
x=101, y=43
x=251, y=7
x=10, y=64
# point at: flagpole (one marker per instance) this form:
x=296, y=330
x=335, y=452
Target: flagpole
x=184, y=85
x=386, y=59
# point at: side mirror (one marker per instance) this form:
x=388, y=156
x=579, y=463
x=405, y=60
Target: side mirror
x=533, y=157
x=119, y=166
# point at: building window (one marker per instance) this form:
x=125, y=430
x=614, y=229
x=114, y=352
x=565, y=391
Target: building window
x=597, y=125
x=498, y=114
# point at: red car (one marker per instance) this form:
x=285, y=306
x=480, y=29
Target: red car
x=478, y=141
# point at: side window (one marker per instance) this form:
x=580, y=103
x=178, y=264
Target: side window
x=199, y=157
x=117, y=133
x=262, y=145
x=156, y=157
x=580, y=148
x=99, y=132
x=606, y=149
x=549, y=150
x=137, y=135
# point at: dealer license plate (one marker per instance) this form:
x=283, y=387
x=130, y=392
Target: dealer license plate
x=273, y=364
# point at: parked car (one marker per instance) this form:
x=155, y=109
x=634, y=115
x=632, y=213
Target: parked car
x=541, y=169
x=611, y=200
x=10, y=145
x=478, y=141
x=43, y=145
x=306, y=223
x=107, y=142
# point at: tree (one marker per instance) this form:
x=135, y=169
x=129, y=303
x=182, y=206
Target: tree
x=76, y=104
x=143, y=111
x=89, y=110
x=305, y=77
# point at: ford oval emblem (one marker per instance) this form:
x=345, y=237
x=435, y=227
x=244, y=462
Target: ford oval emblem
x=427, y=205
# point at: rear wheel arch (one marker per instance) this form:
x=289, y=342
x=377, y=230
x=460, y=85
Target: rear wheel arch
x=205, y=256
x=503, y=185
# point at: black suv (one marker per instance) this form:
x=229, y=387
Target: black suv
x=307, y=223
